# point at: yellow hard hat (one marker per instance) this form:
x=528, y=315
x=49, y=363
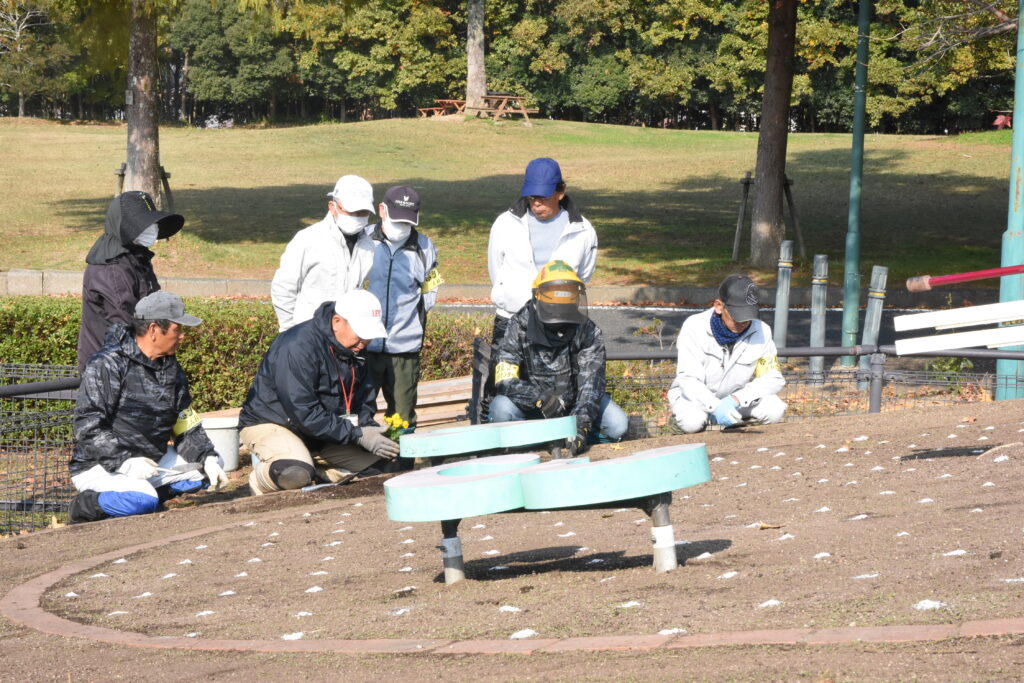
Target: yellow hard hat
x=560, y=294
x=556, y=272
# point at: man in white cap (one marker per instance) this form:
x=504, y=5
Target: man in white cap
x=728, y=372
x=309, y=413
x=328, y=258
x=133, y=400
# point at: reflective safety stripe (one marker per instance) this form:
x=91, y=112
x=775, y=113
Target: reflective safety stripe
x=767, y=364
x=187, y=419
x=504, y=371
x=434, y=280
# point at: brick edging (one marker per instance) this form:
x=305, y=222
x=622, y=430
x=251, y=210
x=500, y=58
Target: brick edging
x=22, y=605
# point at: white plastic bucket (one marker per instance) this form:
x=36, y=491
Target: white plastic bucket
x=223, y=432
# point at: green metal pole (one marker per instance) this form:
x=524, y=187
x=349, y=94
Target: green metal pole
x=1011, y=288
x=851, y=266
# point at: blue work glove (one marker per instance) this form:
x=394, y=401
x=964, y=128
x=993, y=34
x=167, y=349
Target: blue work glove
x=727, y=412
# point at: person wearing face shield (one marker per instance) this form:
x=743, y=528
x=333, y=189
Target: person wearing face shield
x=120, y=270
x=551, y=362
x=728, y=370
x=308, y=415
x=328, y=258
x=405, y=278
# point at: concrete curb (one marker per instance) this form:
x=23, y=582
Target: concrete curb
x=22, y=606
x=63, y=282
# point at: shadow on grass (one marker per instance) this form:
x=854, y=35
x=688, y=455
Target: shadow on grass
x=566, y=559
x=646, y=236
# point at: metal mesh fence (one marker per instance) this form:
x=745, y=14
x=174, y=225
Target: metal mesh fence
x=35, y=444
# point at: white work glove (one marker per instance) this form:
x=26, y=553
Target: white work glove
x=727, y=412
x=373, y=440
x=139, y=468
x=215, y=473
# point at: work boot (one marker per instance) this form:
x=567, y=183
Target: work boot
x=333, y=474
x=85, y=507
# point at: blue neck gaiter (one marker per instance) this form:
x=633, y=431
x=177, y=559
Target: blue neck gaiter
x=722, y=334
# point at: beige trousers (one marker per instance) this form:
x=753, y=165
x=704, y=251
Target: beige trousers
x=269, y=442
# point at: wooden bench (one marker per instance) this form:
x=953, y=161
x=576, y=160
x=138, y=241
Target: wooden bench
x=428, y=111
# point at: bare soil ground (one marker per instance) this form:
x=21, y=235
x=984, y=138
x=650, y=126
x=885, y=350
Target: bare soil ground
x=904, y=518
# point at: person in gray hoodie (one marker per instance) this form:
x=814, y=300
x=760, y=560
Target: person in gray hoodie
x=405, y=278
x=120, y=271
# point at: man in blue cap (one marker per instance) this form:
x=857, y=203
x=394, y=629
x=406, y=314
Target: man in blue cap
x=543, y=225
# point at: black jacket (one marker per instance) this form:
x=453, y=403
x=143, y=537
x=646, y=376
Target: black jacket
x=118, y=275
x=128, y=405
x=301, y=383
x=575, y=371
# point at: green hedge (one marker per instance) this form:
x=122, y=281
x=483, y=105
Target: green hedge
x=221, y=355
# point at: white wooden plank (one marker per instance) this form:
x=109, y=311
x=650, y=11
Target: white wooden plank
x=961, y=317
x=992, y=338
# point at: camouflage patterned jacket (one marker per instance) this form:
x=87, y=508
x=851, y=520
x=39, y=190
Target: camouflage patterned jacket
x=525, y=369
x=130, y=406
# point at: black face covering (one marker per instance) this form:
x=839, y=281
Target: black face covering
x=555, y=335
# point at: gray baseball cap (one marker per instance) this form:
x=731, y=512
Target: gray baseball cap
x=740, y=296
x=163, y=305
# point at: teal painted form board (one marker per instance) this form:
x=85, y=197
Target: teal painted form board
x=476, y=438
x=520, y=481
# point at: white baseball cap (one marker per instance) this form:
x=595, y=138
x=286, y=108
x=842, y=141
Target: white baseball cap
x=353, y=193
x=362, y=311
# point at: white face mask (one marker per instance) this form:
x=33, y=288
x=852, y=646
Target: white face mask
x=350, y=225
x=397, y=232
x=147, y=237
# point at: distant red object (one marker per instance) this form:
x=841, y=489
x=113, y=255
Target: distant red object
x=1003, y=121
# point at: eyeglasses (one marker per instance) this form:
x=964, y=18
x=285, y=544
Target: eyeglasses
x=533, y=198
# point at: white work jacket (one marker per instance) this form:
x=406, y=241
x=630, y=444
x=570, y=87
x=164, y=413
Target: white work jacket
x=316, y=266
x=707, y=372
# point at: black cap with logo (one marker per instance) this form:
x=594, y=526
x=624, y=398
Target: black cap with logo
x=739, y=294
x=403, y=204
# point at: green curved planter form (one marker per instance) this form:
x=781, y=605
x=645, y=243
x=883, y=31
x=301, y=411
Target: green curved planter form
x=475, y=438
x=511, y=482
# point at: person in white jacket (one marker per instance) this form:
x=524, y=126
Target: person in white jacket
x=328, y=258
x=728, y=371
x=543, y=225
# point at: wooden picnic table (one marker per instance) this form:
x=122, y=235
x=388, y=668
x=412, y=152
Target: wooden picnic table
x=501, y=104
x=443, y=107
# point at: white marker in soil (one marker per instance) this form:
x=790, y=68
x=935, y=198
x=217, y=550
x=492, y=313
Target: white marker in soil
x=332, y=544
x=119, y=561
x=226, y=594
x=671, y=631
x=762, y=449
x=142, y=595
x=631, y=603
x=606, y=579
x=857, y=517
x=406, y=528
x=844, y=449
x=121, y=611
x=988, y=483
x=862, y=437
x=292, y=636
x=775, y=467
x=338, y=531
x=168, y=576
x=490, y=552
x=478, y=526
x=487, y=538
x=509, y=608
x=326, y=559
x=873, y=575
x=791, y=500
x=405, y=569
x=769, y=603
x=955, y=553
x=1001, y=458
x=303, y=614
x=1019, y=580
x=319, y=573
x=823, y=509
x=903, y=533
x=268, y=544
x=910, y=469
x=704, y=556
x=202, y=547
x=639, y=521
x=357, y=505
x=822, y=556
x=314, y=589
x=253, y=560
x=241, y=575
x=100, y=575
x=823, y=481
x=185, y=562
x=989, y=428
x=720, y=459
x=877, y=468
x=525, y=633
x=249, y=524
x=982, y=438
x=929, y=604
x=728, y=575
x=820, y=445
x=71, y=594
x=739, y=486
x=911, y=445
x=408, y=540
x=785, y=537
x=779, y=454
x=408, y=555
x=849, y=464
x=886, y=493
x=205, y=613
x=567, y=534
x=926, y=500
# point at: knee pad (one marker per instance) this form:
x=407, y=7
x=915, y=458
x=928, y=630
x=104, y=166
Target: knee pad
x=290, y=474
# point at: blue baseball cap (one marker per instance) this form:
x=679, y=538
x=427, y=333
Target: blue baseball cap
x=542, y=178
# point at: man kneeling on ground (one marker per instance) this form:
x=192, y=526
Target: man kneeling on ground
x=309, y=413
x=133, y=400
x=728, y=372
x=551, y=362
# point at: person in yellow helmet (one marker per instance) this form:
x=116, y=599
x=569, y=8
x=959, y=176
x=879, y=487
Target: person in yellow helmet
x=551, y=362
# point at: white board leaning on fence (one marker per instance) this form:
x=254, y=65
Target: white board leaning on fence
x=972, y=316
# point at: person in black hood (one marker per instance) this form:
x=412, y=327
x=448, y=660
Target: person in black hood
x=120, y=272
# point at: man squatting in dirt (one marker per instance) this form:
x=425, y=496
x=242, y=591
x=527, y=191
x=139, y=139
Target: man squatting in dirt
x=728, y=369
x=551, y=362
x=133, y=399
x=309, y=412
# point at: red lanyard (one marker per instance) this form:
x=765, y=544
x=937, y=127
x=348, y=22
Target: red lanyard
x=345, y=395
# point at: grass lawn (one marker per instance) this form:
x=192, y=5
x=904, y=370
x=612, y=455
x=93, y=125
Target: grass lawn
x=664, y=202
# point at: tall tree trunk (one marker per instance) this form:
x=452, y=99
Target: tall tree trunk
x=141, y=103
x=476, y=75
x=183, y=106
x=767, y=226
x=21, y=104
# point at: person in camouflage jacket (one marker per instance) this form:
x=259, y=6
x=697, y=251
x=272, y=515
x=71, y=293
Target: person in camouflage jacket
x=133, y=400
x=551, y=363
